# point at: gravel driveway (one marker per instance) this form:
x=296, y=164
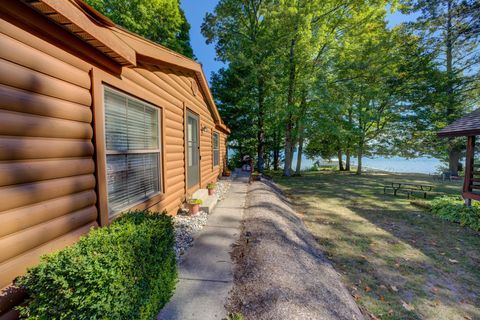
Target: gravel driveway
x=279, y=271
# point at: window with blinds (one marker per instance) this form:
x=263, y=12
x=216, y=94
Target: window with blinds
x=216, y=149
x=133, y=150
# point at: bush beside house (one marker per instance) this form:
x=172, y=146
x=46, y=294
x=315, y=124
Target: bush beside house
x=124, y=271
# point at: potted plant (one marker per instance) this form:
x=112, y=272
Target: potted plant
x=226, y=173
x=211, y=188
x=194, y=206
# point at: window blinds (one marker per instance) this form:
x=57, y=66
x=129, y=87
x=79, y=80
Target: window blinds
x=133, y=152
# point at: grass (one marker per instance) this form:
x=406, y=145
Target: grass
x=397, y=260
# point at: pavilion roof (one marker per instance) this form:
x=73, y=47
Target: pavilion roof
x=469, y=125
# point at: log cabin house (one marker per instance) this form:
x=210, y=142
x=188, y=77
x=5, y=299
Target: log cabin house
x=468, y=126
x=94, y=120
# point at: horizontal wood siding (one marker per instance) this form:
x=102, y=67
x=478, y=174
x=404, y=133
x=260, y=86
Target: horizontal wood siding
x=174, y=94
x=181, y=82
x=47, y=182
x=51, y=113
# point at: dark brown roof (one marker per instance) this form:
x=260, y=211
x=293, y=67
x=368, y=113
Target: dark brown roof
x=466, y=126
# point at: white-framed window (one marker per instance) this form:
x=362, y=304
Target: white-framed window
x=216, y=149
x=132, y=138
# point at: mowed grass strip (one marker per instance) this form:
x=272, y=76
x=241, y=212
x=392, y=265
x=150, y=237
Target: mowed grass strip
x=398, y=261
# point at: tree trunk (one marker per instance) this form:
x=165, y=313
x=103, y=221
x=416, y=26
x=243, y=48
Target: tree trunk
x=300, y=149
x=453, y=159
x=359, y=159
x=287, y=169
x=453, y=154
x=347, y=159
x=276, y=150
x=349, y=142
x=340, y=161
x=260, y=125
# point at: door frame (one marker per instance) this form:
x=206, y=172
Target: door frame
x=185, y=134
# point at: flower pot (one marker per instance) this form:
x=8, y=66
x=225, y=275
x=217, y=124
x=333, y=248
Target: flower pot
x=194, y=208
x=211, y=192
x=226, y=174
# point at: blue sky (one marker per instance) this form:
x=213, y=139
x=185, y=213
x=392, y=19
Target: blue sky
x=195, y=11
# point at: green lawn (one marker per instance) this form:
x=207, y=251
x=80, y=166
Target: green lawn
x=398, y=261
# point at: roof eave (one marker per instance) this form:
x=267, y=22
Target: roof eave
x=88, y=30
x=463, y=133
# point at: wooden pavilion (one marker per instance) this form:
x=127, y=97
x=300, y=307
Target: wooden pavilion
x=468, y=126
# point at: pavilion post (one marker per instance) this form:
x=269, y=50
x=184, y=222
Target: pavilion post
x=469, y=167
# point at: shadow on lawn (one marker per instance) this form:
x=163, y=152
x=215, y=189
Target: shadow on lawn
x=389, y=252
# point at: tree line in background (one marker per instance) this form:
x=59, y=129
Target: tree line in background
x=329, y=78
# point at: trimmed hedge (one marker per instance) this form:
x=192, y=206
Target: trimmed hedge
x=124, y=271
x=452, y=208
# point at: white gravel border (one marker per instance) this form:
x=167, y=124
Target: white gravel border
x=186, y=226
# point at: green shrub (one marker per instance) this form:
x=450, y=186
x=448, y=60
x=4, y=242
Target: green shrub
x=195, y=201
x=211, y=185
x=453, y=209
x=124, y=271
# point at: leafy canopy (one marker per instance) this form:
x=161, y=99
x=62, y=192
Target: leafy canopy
x=162, y=21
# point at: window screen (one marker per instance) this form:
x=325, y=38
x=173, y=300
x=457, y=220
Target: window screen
x=133, y=150
x=216, y=149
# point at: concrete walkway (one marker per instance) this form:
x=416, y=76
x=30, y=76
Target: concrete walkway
x=206, y=272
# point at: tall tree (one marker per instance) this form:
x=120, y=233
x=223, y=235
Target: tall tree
x=162, y=21
x=450, y=30
x=241, y=35
x=370, y=67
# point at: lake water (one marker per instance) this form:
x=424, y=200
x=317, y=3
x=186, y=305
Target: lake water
x=393, y=164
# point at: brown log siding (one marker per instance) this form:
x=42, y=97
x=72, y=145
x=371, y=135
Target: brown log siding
x=47, y=182
x=52, y=151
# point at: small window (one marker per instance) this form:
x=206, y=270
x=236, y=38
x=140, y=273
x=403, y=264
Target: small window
x=133, y=150
x=216, y=149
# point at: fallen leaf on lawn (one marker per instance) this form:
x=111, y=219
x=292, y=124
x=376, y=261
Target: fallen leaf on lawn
x=442, y=253
x=407, y=306
x=453, y=260
x=368, y=289
x=467, y=317
x=382, y=298
x=356, y=297
x=383, y=286
x=390, y=312
x=397, y=265
x=394, y=288
x=434, y=289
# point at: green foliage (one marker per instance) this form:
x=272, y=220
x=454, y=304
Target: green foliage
x=235, y=316
x=211, y=185
x=162, y=21
x=195, y=201
x=331, y=79
x=234, y=162
x=453, y=209
x=452, y=89
x=123, y=271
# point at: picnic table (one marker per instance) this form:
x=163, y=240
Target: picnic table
x=408, y=188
